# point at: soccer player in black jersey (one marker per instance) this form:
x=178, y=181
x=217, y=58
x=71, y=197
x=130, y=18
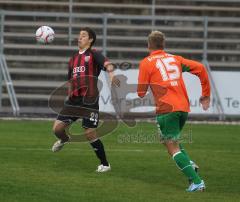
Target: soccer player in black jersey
x=83, y=70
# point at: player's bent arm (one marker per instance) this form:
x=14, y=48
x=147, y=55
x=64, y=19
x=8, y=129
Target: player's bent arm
x=199, y=70
x=110, y=69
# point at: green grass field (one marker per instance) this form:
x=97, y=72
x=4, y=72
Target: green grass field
x=30, y=172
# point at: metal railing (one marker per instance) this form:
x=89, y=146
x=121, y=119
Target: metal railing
x=9, y=85
x=215, y=93
x=4, y=73
x=1, y=52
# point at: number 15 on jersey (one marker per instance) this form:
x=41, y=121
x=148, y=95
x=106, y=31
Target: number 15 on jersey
x=168, y=70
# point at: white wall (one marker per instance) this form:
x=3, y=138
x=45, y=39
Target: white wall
x=227, y=83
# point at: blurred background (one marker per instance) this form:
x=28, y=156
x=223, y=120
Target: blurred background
x=203, y=30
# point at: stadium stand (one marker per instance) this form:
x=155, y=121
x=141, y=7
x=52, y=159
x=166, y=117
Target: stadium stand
x=36, y=70
x=137, y=7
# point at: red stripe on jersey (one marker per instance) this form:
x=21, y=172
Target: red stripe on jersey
x=70, y=66
x=74, y=79
x=83, y=86
x=91, y=78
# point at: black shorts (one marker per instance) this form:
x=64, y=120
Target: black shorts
x=90, y=120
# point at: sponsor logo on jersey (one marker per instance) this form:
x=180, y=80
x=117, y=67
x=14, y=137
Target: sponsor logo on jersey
x=79, y=69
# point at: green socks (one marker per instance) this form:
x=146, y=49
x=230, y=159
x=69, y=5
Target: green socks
x=184, y=152
x=184, y=165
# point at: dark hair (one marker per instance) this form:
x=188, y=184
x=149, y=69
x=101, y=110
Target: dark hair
x=91, y=34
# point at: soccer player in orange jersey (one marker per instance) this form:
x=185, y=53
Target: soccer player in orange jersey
x=163, y=73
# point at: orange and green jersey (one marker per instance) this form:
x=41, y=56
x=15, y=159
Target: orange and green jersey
x=163, y=73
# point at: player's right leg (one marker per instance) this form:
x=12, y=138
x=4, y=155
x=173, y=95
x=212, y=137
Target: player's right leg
x=59, y=129
x=99, y=150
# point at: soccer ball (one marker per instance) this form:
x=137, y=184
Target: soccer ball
x=45, y=35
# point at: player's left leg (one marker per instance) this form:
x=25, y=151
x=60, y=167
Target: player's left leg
x=184, y=165
x=169, y=125
x=182, y=120
x=90, y=125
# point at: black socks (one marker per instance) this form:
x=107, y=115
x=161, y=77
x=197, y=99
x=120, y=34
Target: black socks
x=99, y=150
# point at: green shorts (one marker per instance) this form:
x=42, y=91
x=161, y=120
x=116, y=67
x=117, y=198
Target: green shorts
x=171, y=124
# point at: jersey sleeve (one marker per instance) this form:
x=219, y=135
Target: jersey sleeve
x=199, y=70
x=100, y=60
x=143, y=79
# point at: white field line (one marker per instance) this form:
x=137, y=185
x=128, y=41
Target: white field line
x=107, y=150
x=137, y=120
x=70, y=149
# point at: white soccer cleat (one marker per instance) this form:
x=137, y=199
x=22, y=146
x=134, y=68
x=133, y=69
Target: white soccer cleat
x=196, y=187
x=58, y=146
x=101, y=168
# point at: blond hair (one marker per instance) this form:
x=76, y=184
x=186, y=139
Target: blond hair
x=156, y=40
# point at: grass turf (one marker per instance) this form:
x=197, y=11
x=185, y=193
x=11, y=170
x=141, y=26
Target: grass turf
x=29, y=171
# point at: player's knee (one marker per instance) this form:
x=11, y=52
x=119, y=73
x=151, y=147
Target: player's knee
x=90, y=134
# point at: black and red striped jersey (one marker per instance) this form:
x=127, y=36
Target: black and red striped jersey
x=83, y=71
